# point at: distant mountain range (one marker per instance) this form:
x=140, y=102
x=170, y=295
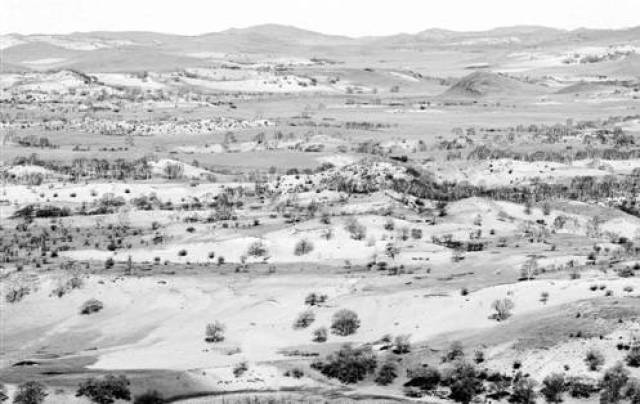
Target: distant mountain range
x=125, y=50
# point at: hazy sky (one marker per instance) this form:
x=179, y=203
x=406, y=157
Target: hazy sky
x=345, y=17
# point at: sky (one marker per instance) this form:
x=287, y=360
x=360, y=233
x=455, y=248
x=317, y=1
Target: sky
x=340, y=17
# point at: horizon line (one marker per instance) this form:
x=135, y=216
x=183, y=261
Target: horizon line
x=248, y=27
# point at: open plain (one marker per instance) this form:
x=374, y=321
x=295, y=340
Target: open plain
x=276, y=215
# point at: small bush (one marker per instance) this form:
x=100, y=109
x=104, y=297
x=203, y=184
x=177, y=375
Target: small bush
x=625, y=272
x=296, y=373
x=105, y=391
x=401, y=344
x=356, y=229
x=314, y=299
x=214, y=332
x=503, y=308
x=320, y=334
x=524, y=391
x=345, y=322
x=16, y=294
x=594, y=359
x=91, y=306
x=464, y=382
x=304, y=319
x=150, y=397
x=240, y=369
x=303, y=247
x=30, y=393
x=257, y=249
x=348, y=365
x=612, y=383
x=633, y=357
x=454, y=352
x=386, y=374
x=478, y=356
x=423, y=378
x=580, y=387
x=552, y=387
x=544, y=297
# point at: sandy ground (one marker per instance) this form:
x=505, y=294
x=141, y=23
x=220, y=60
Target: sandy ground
x=145, y=318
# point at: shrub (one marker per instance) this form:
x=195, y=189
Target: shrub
x=401, y=344
x=303, y=247
x=580, y=387
x=391, y=250
x=612, y=382
x=105, y=391
x=173, y=170
x=594, y=359
x=633, y=357
x=503, y=308
x=257, y=249
x=296, y=373
x=524, y=391
x=633, y=391
x=30, y=393
x=314, y=299
x=16, y=294
x=150, y=397
x=499, y=385
x=325, y=218
x=552, y=387
x=478, y=356
x=423, y=378
x=413, y=392
x=625, y=272
x=544, y=297
x=345, y=322
x=240, y=369
x=304, y=319
x=356, y=229
x=91, y=306
x=455, y=351
x=320, y=334
x=464, y=382
x=348, y=365
x=386, y=374
x=416, y=233
x=214, y=332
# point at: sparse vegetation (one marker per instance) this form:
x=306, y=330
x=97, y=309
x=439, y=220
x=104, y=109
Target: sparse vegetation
x=294, y=197
x=594, y=359
x=214, y=332
x=106, y=390
x=348, y=365
x=345, y=322
x=502, y=308
x=91, y=306
x=304, y=319
x=303, y=247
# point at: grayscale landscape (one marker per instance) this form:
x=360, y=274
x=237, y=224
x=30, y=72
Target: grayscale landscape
x=276, y=215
